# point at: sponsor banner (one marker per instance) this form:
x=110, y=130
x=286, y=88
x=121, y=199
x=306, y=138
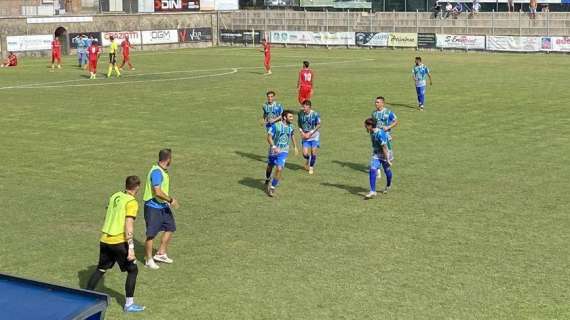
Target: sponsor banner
x=240, y=36
x=29, y=43
x=427, y=40
x=560, y=44
x=176, y=5
x=313, y=38
x=508, y=43
x=74, y=37
x=373, y=39
x=159, y=36
x=452, y=41
x=195, y=34
x=403, y=40
x=134, y=37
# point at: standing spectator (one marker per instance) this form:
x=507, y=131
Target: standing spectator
x=511, y=5
x=11, y=61
x=476, y=7
x=457, y=10
x=448, y=9
x=532, y=8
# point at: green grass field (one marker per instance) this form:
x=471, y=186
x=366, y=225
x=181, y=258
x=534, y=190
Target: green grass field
x=476, y=226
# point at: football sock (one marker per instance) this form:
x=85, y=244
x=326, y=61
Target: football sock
x=268, y=173
x=110, y=70
x=313, y=160
x=274, y=183
x=388, y=173
x=117, y=71
x=372, y=176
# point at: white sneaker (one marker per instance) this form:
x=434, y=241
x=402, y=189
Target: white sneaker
x=311, y=170
x=370, y=195
x=162, y=258
x=151, y=264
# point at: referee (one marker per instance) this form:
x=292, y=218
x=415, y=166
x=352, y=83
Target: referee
x=113, y=58
x=116, y=243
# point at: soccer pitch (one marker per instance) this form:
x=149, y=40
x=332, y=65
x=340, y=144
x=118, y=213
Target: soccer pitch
x=475, y=227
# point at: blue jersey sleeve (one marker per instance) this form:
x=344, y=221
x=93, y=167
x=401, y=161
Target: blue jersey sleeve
x=279, y=109
x=271, y=130
x=391, y=117
x=155, y=178
x=318, y=118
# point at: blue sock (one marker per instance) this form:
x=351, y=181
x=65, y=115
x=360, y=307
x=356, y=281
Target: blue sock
x=313, y=160
x=372, y=176
x=274, y=183
x=388, y=173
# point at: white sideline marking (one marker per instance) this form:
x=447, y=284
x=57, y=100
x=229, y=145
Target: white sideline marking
x=65, y=83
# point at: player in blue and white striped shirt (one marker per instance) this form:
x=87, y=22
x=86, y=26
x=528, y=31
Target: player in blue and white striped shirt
x=420, y=73
x=309, y=124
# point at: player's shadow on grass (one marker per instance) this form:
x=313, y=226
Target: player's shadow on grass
x=256, y=157
x=352, y=165
x=84, y=275
x=358, y=191
x=253, y=183
x=395, y=104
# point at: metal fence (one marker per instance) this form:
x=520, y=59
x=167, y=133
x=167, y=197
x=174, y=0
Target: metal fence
x=489, y=23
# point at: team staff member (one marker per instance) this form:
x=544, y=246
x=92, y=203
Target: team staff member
x=113, y=58
x=116, y=243
x=158, y=214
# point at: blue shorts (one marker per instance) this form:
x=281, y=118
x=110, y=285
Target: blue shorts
x=376, y=160
x=311, y=144
x=158, y=220
x=278, y=159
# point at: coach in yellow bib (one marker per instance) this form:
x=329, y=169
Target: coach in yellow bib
x=158, y=206
x=117, y=244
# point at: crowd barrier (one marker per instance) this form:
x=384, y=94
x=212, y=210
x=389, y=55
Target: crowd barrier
x=308, y=38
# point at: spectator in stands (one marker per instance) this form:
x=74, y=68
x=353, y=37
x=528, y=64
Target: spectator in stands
x=457, y=10
x=476, y=7
x=511, y=5
x=448, y=9
x=437, y=9
x=11, y=61
x=532, y=8
x=545, y=8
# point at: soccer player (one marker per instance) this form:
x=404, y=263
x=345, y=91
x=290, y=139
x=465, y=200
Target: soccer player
x=419, y=73
x=278, y=137
x=267, y=56
x=117, y=243
x=272, y=110
x=113, y=58
x=158, y=213
x=309, y=124
x=382, y=156
x=126, y=47
x=93, y=53
x=11, y=60
x=55, y=53
x=305, y=83
x=385, y=118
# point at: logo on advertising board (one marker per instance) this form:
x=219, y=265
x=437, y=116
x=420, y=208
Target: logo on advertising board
x=546, y=43
x=403, y=39
x=134, y=37
x=195, y=34
x=463, y=40
x=160, y=34
x=176, y=5
x=379, y=39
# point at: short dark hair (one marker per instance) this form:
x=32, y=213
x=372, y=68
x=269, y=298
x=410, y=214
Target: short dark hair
x=270, y=92
x=306, y=64
x=307, y=103
x=132, y=182
x=419, y=58
x=370, y=122
x=285, y=113
x=111, y=38
x=164, y=154
x=381, y=98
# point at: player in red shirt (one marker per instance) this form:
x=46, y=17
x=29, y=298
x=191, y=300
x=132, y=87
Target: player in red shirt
x=11, y=61
x=305, y=83
x=267, y=54
x=126, y=49
x=56, y=53
x=93, y=53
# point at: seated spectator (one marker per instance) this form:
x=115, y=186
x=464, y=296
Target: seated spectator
x=544, y=7
x=448, y=10
x=457, y=10
x=11, y=61
x=437, y=9
x=476, y=7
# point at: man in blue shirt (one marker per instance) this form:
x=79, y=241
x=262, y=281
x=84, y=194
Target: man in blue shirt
x=272, y=110
x=420, y=73
x=309, y=124
x=382, y=156
x=81, y=43
x=278, y=137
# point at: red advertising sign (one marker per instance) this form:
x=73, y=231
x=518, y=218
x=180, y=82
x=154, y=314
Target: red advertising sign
x=176, y=5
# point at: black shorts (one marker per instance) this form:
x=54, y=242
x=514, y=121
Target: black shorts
x=158, y=220
x=111, y=253
x=112, y=58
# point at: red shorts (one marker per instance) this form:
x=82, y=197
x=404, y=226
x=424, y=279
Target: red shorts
x=304, y=93
x=126, y=57
x=92, y=65
x=267, y=61
x=56, y=56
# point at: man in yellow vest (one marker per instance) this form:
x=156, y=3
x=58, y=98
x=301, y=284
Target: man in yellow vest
x=117, y=244
x=158, y=206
